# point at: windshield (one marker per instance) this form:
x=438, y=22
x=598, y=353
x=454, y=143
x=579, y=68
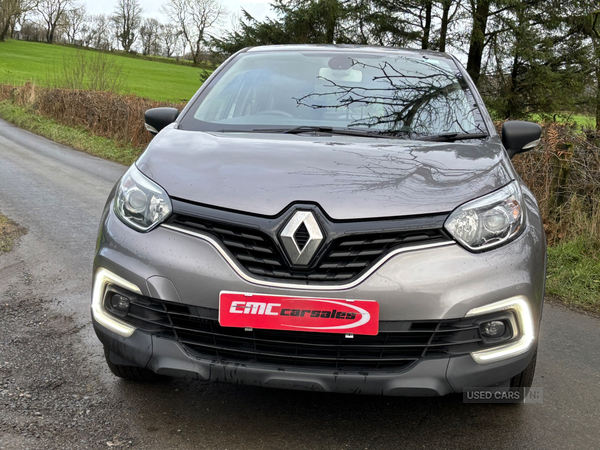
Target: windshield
x=393, y=94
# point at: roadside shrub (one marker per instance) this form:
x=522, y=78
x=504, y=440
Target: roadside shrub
x=564, y=175
x=105, y=114
x=85, y=70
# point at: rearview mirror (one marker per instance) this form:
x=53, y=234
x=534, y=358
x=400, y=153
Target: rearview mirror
x=519, y=136
x=158, y=118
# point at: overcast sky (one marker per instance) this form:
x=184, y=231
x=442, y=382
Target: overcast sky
x=258, y=8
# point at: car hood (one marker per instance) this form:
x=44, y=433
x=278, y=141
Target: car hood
x=349, y=177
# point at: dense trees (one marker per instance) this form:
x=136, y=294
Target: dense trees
x=526, y=56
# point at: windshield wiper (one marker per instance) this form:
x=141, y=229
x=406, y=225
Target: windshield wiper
x=452, y=136
x=331, y=130
x=444, y=137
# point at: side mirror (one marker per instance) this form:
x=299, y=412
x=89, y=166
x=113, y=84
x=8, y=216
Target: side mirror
x=158, y=118
x=519, y=136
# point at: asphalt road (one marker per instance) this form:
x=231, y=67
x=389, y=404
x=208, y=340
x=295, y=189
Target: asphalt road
x=58, y=194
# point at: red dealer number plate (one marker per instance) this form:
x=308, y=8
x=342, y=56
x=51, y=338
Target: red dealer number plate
x=320, y=315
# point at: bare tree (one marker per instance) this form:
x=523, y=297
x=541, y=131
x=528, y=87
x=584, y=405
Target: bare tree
x=127, y=18
x=51, y=12
x=446, y=19
x=8, y=9
x=169, y=38
x=91, y=71
x=74, y=21
x=10, y=12
x=96, y=32
x=32, y=30
x=149, y=35
x=194, y=18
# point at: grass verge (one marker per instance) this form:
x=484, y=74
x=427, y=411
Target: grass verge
x=9, y=233
x=75, y=137
x=574, y=273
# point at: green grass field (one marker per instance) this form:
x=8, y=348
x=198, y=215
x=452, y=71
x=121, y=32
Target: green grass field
x=36, y=62
x=585, y=121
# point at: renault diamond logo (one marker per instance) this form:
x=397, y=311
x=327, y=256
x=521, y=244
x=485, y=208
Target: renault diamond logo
x=301, y=237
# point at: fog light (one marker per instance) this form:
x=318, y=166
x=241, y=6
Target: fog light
x=119, y=302
x=492, y=329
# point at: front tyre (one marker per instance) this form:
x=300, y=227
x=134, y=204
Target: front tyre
x=525, y=378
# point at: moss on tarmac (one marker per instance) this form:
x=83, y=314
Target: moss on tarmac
x=9, y=233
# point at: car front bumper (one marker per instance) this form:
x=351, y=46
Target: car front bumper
x=423, y=284
x=426, y=378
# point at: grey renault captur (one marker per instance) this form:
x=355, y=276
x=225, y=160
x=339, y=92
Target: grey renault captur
x=328, y=218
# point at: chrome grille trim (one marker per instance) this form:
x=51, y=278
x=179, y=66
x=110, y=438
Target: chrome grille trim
x=306, y=287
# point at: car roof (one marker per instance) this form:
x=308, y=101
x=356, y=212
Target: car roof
x=345, y=48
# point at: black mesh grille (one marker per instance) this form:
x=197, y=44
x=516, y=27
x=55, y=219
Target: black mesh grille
x=301, y=236
x=398, y=344
x=341, y=259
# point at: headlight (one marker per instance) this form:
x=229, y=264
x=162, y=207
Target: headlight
x=488, y=221
x=139, y=202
